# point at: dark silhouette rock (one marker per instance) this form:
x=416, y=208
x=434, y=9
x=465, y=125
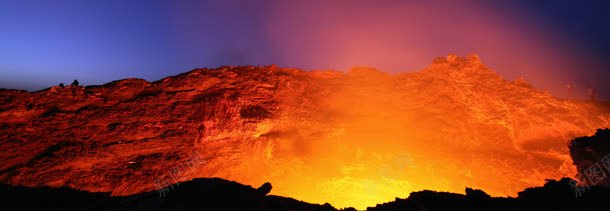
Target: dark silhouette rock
x=74, y=83
x=61, y=85
x=554, y=195
x=197, y=194
x=477, y=194
x=219, y=194
x=265, y=188
x=591, y=155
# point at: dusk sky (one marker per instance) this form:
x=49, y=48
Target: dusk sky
x=550, y=43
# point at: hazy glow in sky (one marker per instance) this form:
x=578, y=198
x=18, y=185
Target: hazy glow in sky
x=550, y=43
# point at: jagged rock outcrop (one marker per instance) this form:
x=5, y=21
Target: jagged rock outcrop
x=265, y=188
x=591, y=155
x=554, y=195
x=219, y=194
x=362, y=133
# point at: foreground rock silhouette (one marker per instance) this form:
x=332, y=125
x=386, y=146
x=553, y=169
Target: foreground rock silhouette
x=554, y=195
x=197, y=194
x=219, y=194
x=591, y=155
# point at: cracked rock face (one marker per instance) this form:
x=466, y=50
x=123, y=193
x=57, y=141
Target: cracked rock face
x=310, y=133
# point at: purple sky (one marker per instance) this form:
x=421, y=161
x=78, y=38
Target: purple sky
x=550, y=43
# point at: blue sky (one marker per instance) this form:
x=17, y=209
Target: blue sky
x=43, y=43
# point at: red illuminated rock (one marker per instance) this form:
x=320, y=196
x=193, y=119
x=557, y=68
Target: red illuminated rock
x=312, y=134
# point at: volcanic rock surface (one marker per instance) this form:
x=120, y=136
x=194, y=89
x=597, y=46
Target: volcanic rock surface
x=366, y=134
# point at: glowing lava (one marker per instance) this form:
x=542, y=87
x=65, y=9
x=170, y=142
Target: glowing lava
x=373, y=136
x=351, y=139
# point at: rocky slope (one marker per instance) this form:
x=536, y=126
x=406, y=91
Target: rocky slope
x=365, y=134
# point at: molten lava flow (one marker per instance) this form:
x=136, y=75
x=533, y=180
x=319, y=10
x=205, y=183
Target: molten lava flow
x=352, y=139
x=376, y=137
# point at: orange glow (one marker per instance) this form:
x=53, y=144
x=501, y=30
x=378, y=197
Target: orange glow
x=366, y=137
x=400, y=36
x=350, y=139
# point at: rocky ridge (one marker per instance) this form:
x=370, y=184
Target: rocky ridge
x=266, y=123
